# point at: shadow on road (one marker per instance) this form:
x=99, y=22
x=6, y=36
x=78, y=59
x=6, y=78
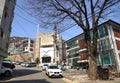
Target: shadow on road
x=23, y=72
x=18, y=73
x=30, y=81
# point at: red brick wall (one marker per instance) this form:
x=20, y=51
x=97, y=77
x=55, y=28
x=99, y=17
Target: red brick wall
x=118, y=44
x=116, y=33
x=83, y=56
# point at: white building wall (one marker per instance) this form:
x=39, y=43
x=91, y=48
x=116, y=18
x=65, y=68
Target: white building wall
x=47, y=52
x=114, y=46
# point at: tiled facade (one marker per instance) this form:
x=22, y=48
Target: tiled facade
x=6, y=18
x=108, y=48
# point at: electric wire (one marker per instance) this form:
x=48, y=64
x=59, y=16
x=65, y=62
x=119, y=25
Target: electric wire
x=22, y=27
x=63, y=30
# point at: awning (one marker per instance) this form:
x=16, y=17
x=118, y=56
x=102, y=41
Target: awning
x=6, y=59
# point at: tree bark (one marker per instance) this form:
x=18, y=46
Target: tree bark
x=92, y=70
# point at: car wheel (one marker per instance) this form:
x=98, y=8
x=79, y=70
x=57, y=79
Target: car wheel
x=61, y=76
x=49, y=75
x=7, y=73
x=46, y=74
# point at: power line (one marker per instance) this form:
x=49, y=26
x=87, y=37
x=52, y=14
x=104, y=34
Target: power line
x=72, y=25
x=22, y=8
x=22, y=27
x=25, y=18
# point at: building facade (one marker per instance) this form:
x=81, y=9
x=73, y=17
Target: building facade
x=47, y=50
x=108, y=47
x=20, y=45
x=21, y=49
x=6, y=18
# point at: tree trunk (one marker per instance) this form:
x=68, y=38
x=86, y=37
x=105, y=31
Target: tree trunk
x=92, y=70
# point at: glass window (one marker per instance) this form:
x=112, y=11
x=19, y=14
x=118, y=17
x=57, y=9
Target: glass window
x=106, y=58
x=102, y=32
x=53, y=67
x=91, y=35
x=72, y=43
x=108, y=43
x=104, y=44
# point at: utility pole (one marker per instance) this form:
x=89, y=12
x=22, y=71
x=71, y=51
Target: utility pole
x=55, y=45
x=37, y=44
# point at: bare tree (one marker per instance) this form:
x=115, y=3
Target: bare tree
x=84, y=13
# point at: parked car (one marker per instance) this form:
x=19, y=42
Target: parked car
x=61, y=67
x=18, y=63
x=44, y=67
x=7, y=68
x=30, y=64
x=54, y=71
x=23, y=64
x=8, y=64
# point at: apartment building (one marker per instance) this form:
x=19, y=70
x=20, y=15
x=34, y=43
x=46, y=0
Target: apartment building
x=20, y=45
x=72, y=51
x=108, y=48
x=47, y=50
x=6, y=18
x=21, y=49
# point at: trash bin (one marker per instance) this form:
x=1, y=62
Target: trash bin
x=103, y=73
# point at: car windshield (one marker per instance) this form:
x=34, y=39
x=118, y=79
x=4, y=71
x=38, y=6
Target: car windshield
x=45, y=64
x=53, y=67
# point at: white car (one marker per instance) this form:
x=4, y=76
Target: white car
x=6, y=71
x=6, y=68
x=54, y=71
x=44, y=67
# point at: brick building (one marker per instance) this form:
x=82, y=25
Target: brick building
x=108, y=47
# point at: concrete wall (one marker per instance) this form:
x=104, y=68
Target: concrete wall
x=6, y=18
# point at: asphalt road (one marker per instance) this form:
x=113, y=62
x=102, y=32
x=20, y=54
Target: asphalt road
x=29, y=75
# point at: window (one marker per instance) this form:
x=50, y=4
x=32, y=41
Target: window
x=106, y=58
x=102, y=32
x=91, y=35
x=107, y=43
x=104, y=44
x=31, y=41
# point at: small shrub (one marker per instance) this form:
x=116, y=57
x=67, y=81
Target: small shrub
x=37, y=60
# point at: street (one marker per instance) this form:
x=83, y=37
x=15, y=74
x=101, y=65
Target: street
x=29, y=75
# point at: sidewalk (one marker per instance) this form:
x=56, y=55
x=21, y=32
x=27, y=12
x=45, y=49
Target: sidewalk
x=74, y=76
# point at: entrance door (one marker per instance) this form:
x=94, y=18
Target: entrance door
x=46, y=59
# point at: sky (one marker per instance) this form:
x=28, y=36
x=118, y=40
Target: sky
x=25, y=25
